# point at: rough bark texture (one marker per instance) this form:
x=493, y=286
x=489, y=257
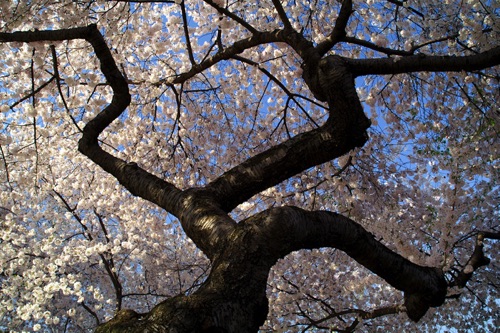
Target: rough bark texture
x=233, y=298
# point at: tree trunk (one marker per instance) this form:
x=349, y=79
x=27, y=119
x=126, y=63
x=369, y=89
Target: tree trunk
x=232, y=299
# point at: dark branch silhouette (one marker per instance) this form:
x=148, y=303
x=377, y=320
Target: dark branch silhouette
x=233, y=298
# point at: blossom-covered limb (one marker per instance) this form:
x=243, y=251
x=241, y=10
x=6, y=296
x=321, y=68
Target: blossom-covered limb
x=425, y=63
x=106, y=258
x=138, y=181
x=288, y=229
x=344, y=130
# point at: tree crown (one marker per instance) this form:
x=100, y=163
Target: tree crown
x=199, y=118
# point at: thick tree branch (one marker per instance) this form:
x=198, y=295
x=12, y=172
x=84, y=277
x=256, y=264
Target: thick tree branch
x=205, y=223
x=281, y=162
x=345, y=130
x=423, y=63
x=288, y=229
x=243, y=253
x=277, y=164
x=207, y=216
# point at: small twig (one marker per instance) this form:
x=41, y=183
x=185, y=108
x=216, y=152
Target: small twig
x=145, y=1
x=59, y=89
x=279, y=83
x=6, y=169
x=32, y=93
x=477, y=260
x=233, y=16
x=33, y=105
x=186, y=33
x=401, y=4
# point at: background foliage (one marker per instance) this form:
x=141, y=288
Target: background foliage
x=75, y=246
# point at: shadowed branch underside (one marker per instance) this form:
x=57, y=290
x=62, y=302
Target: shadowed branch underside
x=233, y=298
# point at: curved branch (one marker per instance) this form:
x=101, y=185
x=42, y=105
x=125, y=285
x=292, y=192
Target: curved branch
x=277, y=164
x=289, y=229
x=238, y=47
x=423, y=63
x=201, y=219
x=297, y=41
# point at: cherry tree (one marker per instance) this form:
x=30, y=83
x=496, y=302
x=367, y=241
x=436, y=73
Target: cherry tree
x=234, y=166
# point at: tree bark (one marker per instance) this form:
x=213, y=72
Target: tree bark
x=233, y=298
x=425, y=63
x=330, y=81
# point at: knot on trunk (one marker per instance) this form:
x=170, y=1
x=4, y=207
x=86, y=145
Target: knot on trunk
x=328, y=77
x=331, y=80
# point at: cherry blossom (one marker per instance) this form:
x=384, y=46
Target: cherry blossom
x=151, y=151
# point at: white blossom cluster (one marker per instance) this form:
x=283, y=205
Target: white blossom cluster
x=423, y=184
